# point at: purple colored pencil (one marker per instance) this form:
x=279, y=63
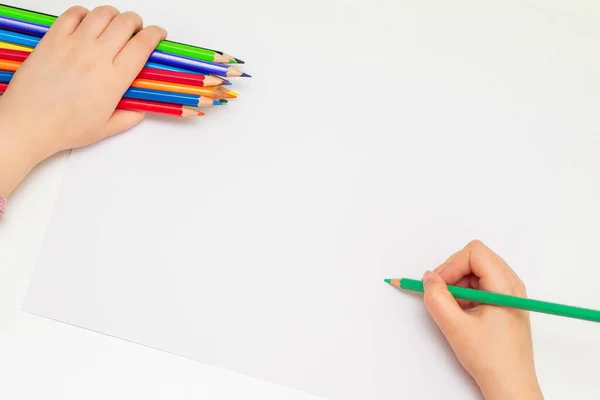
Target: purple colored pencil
x=29, y=28
x=192, y=64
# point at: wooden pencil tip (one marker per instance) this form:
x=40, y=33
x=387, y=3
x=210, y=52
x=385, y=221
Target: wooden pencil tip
x=245, y=75
x=190, y=112
x=237, y=60
x=394, y=282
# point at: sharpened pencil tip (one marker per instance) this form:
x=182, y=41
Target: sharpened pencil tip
x=237, y=60
x=387, y=280
x=245, y=75
x=224, y=101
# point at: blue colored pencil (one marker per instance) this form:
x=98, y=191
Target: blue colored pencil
x=151, y=64
x=150, y=95
x=6, y=76
x=170, y=97
x=18, y=38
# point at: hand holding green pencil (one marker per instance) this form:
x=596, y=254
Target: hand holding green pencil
x=493, y=343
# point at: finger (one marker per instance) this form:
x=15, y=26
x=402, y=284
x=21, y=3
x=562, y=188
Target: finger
x=68, y=22
x=474, y=282
x=122, y=120
x=136, y=52
x=451, y=261
x=471, y=282
x=493, y=272
x=120, y=31
x=462, y=263
x=464, y=282
x=442, y=306
x=442, y=267
x=96, y=21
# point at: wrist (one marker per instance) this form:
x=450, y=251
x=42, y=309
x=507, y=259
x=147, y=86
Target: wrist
x=17, y=157
x=25, y=134
x=507, y=389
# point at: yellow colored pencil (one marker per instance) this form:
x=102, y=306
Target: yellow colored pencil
x=209, y=91
x=11, y=46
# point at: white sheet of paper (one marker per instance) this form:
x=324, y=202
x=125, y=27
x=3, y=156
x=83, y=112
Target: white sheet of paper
x=374, y=139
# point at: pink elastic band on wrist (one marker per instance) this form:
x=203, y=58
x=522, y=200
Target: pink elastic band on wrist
x=2, y=205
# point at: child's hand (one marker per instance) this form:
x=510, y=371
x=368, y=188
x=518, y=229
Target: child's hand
x=492, y=343
x=65, y=93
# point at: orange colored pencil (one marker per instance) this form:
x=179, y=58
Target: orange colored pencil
x=213, y=92
x=9, y=65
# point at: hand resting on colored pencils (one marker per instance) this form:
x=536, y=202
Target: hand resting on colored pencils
x=493, y=343
x=65, y=94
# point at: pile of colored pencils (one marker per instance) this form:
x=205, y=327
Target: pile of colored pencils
x=176, y=80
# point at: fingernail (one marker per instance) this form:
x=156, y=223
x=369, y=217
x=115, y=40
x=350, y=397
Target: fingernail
x=428, y=277
x=164, y=31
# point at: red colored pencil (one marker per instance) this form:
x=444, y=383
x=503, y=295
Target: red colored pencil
x=146, y=73
x=178, y=77
x=158, y=108
x=147, y=106
x=13, y=55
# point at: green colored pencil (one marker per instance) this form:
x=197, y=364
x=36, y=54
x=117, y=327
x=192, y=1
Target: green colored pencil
x=168, y=46
x=504, y=300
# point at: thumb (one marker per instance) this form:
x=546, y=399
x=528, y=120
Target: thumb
x=442, y=306
x=122, y=120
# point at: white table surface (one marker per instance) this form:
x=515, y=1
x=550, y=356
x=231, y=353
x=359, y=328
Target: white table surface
x=40, y=358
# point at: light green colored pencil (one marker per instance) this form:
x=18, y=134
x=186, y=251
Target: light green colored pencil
x=504, y=300
x=168, y=46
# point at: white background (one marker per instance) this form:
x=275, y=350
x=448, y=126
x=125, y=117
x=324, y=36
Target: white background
x=44, y=358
